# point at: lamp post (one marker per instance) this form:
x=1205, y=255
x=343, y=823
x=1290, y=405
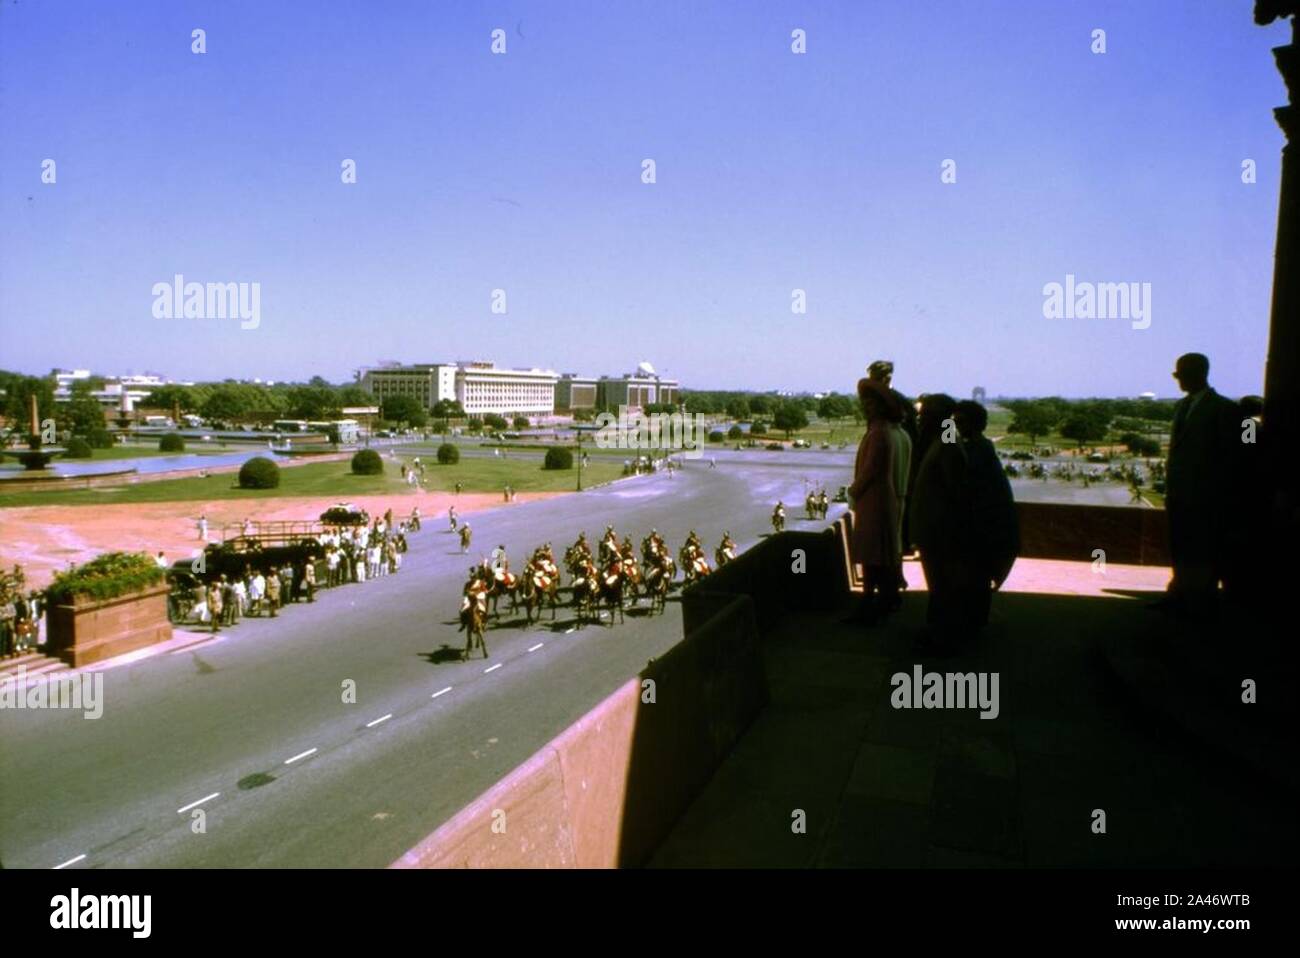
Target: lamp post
x=579, y=434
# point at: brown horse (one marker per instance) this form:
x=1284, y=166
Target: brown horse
x=503, y=583
x=473, y=620
x=611, y=582
x=537, y=587
x=586, y=588
x=694, y=564
x=658, y=580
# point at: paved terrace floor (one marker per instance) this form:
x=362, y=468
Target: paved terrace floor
x=882, y=787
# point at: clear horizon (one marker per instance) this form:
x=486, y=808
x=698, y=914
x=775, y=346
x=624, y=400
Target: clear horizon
x=775, y=172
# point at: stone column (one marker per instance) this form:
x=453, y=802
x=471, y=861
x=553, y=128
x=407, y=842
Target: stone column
x=1281, y=433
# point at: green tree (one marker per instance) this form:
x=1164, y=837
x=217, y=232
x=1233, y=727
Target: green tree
x=1084, y=425
x=82, y=415
x=738, y=408
x=313, y=402
x=405, y=409
x=227, y=403
x=790, y=417
x=170, y=396
x=18, y=390
x=835, y=406
x=352, y=395
x=448, y=409
x=1032, y=418
x=761, y=405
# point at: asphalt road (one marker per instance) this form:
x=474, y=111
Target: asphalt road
x=253, y=726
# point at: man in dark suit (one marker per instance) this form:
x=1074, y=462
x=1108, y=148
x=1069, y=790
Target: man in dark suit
x=1201, y=480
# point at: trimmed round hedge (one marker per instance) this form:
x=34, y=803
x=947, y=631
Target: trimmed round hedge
x=171, y=442
x=448, y=454
x=758, y=428
x=259, y=473
x=557, y=458
x=367, y=462
x=77, y=448
x=100, y=438
x=735, y=432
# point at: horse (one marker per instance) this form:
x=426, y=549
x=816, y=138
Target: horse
x=724, y=553
x=538, y=586
x=586, y=587
x=632, y=575
x=694, y=564
x=473, y=620
x=778, y=520
x=465, y=536
x=610, y=587
x=658, y=579
x=503, y=583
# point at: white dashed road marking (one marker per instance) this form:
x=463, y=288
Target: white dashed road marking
x=442, y=692
x=492, y=668
x=537, y=646
x=70, y=861
x=290, y=761
x=206, y=798
x=378, y=720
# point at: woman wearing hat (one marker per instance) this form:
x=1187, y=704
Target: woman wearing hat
x=875, y=504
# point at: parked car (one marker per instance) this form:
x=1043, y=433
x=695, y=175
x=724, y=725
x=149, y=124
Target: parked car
x=345, y=514
x=774, y=446
x=801, y=444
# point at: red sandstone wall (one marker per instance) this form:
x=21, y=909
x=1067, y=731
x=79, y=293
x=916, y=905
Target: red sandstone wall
x=91, y=632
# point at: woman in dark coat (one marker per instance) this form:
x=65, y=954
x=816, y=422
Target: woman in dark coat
x=875, y=504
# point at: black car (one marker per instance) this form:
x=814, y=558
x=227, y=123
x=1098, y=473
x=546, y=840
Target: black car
x=345, y=514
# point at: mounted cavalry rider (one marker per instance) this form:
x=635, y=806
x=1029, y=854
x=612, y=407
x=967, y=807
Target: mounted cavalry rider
x=726, y=551
x=608, y=544
x=581, y=545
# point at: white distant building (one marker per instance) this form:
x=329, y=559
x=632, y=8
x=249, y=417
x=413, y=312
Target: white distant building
x=119, y=392
x=427, y=382
x=483, y=388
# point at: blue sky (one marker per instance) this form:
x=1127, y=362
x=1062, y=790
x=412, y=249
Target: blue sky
x=522, y=172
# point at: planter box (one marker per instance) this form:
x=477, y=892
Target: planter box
x=90, y=631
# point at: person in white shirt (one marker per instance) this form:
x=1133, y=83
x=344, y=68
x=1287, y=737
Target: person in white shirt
x=256, y=591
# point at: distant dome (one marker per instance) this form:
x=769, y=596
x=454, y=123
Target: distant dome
x=645, y=369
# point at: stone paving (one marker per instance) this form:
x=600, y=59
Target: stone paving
x=886, y=787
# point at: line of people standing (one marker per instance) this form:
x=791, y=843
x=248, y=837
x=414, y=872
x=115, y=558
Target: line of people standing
x=929, y=478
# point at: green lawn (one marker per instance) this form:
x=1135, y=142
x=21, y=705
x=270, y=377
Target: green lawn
x=333, y=480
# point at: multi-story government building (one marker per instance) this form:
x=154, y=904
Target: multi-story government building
x=574, y=392
x=636, y=390
x=427, y=382
x=483, y=388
